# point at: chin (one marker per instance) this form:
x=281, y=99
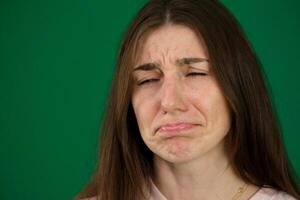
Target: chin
x=176, y=159
x=177, y=152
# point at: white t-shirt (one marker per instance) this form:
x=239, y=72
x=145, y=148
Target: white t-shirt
x=263, y=193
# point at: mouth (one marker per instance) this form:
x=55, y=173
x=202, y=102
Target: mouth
x=175, y=129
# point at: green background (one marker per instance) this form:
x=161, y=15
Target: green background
x=56, y=62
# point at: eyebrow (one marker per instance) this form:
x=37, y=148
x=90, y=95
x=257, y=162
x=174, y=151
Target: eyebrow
x=179, y=62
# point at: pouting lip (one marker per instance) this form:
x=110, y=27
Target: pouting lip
x=174, y=124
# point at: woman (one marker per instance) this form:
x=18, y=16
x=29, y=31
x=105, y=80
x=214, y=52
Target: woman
x=189, y=116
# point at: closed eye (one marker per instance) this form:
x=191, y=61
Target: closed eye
x=196, y=74
x=147, y=81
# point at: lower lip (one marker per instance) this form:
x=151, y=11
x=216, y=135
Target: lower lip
x=178, y=130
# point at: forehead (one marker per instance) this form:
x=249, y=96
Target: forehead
x=171, y=41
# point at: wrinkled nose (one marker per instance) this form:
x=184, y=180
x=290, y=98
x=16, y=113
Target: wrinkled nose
x=172, y=97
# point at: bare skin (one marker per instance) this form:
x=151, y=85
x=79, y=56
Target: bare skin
x=183, y=117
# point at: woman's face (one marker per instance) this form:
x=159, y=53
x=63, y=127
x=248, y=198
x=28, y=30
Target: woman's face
x=181, y=112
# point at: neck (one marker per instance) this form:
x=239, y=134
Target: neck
x=209, y=177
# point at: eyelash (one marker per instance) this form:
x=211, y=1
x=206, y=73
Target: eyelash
x=155, y=79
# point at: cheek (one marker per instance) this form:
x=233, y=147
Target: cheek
x=219, y=117
x=200, y=95
x=144, y=110
x=209, y=101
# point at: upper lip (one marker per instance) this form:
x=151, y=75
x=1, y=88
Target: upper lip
x=174, y=124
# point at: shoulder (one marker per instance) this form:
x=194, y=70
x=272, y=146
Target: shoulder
x=266, y=193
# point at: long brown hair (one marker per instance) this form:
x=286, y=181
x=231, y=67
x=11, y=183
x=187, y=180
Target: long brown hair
x=254, y=141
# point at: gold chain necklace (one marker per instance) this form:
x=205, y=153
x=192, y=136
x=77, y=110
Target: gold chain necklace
x=240, y=192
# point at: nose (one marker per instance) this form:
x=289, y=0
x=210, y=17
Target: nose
x=172, y=97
